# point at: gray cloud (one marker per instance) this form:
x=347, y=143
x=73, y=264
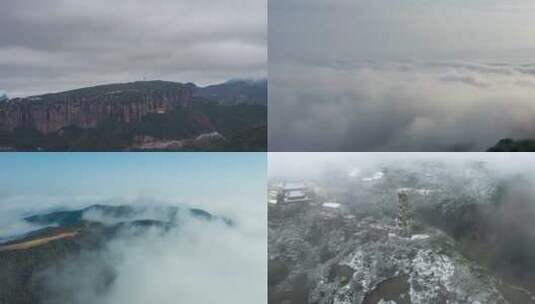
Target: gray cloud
x=317, y=165
x=394, y=76
x=397, y=107
x=56, y=45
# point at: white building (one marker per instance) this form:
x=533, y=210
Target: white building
x=293, y=192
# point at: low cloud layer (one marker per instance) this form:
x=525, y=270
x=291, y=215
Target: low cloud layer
x=399, y=106
x=194, y=260
x=186, y=257
x=318, y=165
x=396, y=75
x=198, y=262
x=57, y=45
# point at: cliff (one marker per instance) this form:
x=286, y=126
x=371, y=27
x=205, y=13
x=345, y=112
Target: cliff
x=88, y=107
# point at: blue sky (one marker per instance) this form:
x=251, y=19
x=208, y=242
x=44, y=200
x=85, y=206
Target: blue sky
x=216, y=181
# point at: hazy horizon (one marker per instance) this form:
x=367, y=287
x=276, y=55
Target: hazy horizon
x=393, y=76
x=103, y=84
x=39, y=181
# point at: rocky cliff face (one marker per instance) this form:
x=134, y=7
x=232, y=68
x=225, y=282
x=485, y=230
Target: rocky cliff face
x=88, y=107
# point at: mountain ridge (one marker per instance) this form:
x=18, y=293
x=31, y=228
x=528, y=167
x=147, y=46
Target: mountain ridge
x=126, y=116
x=25, y=260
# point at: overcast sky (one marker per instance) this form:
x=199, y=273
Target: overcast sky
x=400, y=75
x=54, y=45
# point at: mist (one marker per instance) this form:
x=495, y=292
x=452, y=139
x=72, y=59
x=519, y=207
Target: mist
x=315, y=165
x=484, y=201
x=193, y=260
x=392, y=76
x=197, y=262
x=451, y=106
x=193, y=228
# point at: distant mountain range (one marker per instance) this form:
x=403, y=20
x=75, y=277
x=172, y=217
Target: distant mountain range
x=121, y=213
x=68, y=233
x=144, y=115
x=235, y=92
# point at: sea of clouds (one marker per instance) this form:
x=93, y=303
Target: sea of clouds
x=400, y=106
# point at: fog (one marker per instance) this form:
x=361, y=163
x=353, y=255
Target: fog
x=399, y=106
x=393, y=76
x=485, y=201
x=227, y=184
x=314, y=165
x=198, y=262
x=188, y=259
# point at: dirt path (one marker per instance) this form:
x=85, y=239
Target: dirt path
x=38, y=242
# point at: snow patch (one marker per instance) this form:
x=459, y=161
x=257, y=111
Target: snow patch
x=422, y=191
x=419, y=237
x=376, y=176
x=432, y=275
x=331, y=205
x=211, y=135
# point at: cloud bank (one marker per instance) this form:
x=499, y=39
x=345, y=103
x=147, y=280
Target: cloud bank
x=316, y=165
x=57, y=45
x=182, y=258
x=198, y=262
x=400, y=106
x=195, y=261
x=378, y=75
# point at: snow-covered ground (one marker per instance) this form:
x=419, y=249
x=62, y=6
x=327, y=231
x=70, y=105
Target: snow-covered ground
x=331, y=205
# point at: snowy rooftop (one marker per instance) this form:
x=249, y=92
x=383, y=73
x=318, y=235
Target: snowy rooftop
x=295, y=193
x=331, y=205
x=422, y=191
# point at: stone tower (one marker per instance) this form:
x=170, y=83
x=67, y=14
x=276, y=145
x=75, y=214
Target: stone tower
x=404, y=217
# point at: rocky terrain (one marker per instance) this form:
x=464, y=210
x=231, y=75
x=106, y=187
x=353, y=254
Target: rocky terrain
x=122, y=116
x=356, y=253
x=27, y=261
x=87, y=108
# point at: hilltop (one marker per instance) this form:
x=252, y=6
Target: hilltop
x=143, y=115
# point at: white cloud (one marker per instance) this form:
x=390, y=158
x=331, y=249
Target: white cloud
x=197, y=262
